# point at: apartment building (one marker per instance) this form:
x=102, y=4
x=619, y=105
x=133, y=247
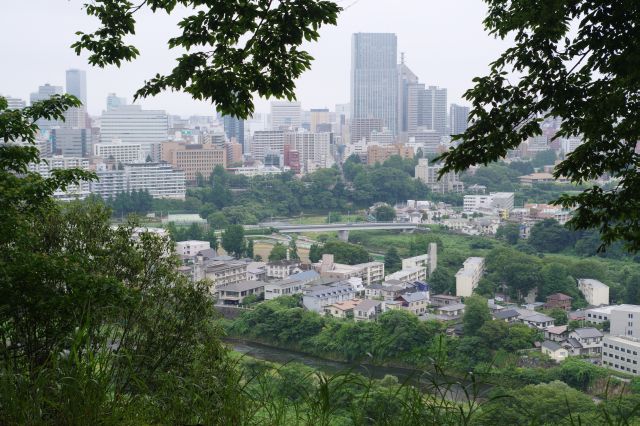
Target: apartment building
x=495, y=201
x=381, y=153
x=191, y=248
x=234, y=294
x=595, y=292
x=621, y=348
x=317, y=298
x=416, y=273
x=469, y=276
x=225, y=272
x=118, y=151
x=450, y=182
x=72, y=192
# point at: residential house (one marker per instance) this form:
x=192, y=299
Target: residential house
x=416, y=303
x=559, y=333
x=554, y=350
x=342, y=309
x=506, y=315
x=234, y=294
x=559, y=301
x=535, y=319
x=585, y=341
x=367, y=310
x=445, y=299
x=449, y=312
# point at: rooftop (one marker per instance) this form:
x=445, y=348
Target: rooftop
x=506, y=313
x=559, y=296
x=242, y=286
x=346, y=305
x=588, y=332
x=559, y=329
x=593, y=283
x=551, y=345
x=451, y=308
x=366, y=305
x=414, y=297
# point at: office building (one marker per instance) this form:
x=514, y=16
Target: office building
x=319, y=118
x=594, y=292
x=234, y=129
x=291, y=158
x=361, y=128
x=495, y=201
x=621, y=348
x=374, y=78
x=119, y=152
x=435, y=109
x=314, y=149
x=266, y=141
x=458, y=119
x=406, y=79
x=77, y=84
x=450, y=181
x=196, y=160
x=71, y=142
x=114, y=101
x=469, y=276
x=72, y=192
x=234, y=153
x=285, y=115
x=132, y=124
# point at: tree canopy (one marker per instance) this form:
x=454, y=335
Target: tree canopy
x=574, y=61
x=233, y=49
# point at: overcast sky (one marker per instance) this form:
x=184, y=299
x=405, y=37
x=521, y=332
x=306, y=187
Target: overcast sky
x=444, y=43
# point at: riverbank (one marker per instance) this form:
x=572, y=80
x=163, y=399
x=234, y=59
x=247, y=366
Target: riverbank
x=454, y=388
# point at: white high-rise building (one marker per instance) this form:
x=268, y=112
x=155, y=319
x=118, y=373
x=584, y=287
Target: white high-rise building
x=285, y=115
x=493, y=201
x=132, y=124
x=374, y=78
x=271, y=141
x=119, y=152
x=314, y=149
x=469, y=276
x=435, y=108
x=44, y=93
x=77, y=84
x=72, y=192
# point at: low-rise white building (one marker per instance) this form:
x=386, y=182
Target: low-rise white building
x=294, y=284
x=317, y=298
x=469, y=276
x=495, y=201
x=192, y=247
x=621, y=354
x=595, y=292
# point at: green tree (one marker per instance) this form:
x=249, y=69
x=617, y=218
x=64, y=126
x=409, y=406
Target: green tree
x=392, y=261
x=544, y=158
x=278, y=252
x=233, y=240
x=315, y=253
x=571, y=61
x=350, y=254
x=549, y=236
x=293, y=249
x=559, y=315
x=385, y=213
x=476, y=313
x=249, y=249
x=509, y=232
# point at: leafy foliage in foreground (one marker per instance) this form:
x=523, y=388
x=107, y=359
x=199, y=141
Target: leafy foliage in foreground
x=575, y=61
x=234, y=49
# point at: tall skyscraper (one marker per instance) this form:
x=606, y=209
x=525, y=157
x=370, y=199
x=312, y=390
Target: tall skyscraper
x=436, y=109
x=406, y=80
x=234, y=128
x=285, y=115
x=15, y=103
x=267, y=141
x=114, y=101
x=77, y=84
x=374, y=78
x=459, y=118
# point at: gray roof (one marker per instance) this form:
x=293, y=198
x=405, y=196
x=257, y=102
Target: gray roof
x=303, y=276
x=241, y=286
x=367, y=305
x=414, y=297
x=537, y=318
x=551, y=345
x=587, y=332
x=326, y=290
x=506, y=313
x=573, y=342
x=454, y=307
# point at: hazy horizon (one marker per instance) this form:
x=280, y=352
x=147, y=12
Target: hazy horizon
x=444, y=44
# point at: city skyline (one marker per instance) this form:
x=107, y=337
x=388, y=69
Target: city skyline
x=443, y=52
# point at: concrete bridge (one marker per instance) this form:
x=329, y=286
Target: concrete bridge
x=342, y=228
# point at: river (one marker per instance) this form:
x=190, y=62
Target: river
x=453, y=389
